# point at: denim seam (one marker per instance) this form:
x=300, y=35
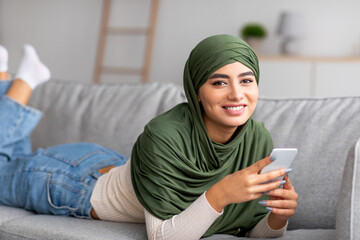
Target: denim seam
x=24, y=111
x=49, y=171
x=31, y=170
x=14, y=126
x=68, y=160
x=59, y=171
x=20, y=106
x=67, y=186
x=91, y=171
x=49, y=198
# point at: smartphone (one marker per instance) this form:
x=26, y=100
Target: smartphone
x=284, y=158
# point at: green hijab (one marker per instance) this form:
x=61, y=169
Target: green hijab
x=174, y=161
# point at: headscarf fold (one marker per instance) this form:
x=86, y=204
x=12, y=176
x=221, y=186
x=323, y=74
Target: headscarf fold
x=174, y=161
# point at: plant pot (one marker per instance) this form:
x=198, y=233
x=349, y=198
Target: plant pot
x=255, y=43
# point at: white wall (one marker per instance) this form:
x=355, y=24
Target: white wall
x=63, y=32
x=330, y=27
x=66, y=32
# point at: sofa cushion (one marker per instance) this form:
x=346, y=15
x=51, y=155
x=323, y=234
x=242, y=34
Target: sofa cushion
x=313, y=234
x=303, y=234
x=55, y=227
x=323, y=130
x=10, y=213
x=81, y=112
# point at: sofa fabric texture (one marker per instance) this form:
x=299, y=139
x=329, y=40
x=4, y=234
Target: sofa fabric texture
x=325, y=171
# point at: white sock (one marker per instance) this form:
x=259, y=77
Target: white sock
x=3, y=59
x=31, y=69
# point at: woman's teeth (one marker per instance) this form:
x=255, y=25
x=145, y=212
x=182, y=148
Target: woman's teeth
x=235, y=108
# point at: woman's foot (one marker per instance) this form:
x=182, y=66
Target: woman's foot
x=31, y=69
x=4, y=56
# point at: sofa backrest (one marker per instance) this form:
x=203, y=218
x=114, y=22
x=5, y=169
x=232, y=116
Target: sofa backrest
x=78, y=112
x=323, y=130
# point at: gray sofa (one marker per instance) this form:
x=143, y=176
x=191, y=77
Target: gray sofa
x=325, y=171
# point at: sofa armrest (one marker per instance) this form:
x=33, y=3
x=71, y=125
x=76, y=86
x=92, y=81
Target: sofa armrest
x=348, y=207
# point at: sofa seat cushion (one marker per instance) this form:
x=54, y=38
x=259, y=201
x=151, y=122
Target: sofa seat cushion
x=8, y=214
x=56, y=227
x=303, y=234
x=313, y=234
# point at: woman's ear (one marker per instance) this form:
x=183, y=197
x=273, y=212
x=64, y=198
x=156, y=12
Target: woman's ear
x=198, y=98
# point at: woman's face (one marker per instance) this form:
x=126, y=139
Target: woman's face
x=229, y=98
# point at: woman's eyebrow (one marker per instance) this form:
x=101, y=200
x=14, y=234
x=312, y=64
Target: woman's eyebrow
x=246, y=74
x=218, y=75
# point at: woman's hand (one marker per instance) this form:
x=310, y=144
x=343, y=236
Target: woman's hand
x=244, y=185
x=282, y=204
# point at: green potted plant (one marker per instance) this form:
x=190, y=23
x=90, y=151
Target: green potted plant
x=253, y=34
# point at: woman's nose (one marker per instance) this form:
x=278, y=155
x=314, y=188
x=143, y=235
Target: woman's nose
x=236, y=93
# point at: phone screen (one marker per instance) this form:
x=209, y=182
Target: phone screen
x=284, y=158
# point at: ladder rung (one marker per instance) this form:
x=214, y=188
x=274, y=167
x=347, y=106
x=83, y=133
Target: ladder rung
x=130, y=31
x=122, y=70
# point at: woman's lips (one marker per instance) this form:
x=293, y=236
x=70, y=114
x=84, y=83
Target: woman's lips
x=235, y=109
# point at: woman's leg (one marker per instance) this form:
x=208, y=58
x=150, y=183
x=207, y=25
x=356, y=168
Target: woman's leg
x=58, y=180
x=18, y=120
x=19, y=91
x=30, y=74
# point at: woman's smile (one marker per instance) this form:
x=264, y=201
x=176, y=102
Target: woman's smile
x=235, y=109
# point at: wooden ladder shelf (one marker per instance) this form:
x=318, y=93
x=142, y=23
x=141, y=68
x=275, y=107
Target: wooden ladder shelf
x=105, y=30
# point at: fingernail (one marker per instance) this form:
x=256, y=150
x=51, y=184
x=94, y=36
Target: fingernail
x=288, y=170
x=282, y=182
x=269, y=208
x=272, y=158
x=262, y=202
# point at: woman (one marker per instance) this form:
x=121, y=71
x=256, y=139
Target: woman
x=193, y=171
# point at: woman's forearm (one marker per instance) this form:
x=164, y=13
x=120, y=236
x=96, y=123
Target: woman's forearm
x=216, y=197
x=264, y=230
x=190, y=224
x=276, y=223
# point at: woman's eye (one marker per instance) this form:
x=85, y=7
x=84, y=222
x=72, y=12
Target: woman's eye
x=246, y=81
x=218, y=83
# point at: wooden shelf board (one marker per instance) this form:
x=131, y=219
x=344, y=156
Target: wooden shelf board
x=308, y=58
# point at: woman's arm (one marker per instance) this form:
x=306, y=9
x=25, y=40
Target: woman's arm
x=263, y=230
x=190, y=224
x=242, y=186
x=195, y=220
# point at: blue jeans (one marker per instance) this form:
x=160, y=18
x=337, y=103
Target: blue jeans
x=58, y=180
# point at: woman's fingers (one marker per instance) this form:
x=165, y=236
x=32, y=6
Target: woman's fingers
x=283, y=193
x=259, y=165
x=248, y=184
x=263, y=177
x=288, y=184
x=266, y=187
x=269, y=176
x=283, y=201
x=281, y=204
x=283, y=212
